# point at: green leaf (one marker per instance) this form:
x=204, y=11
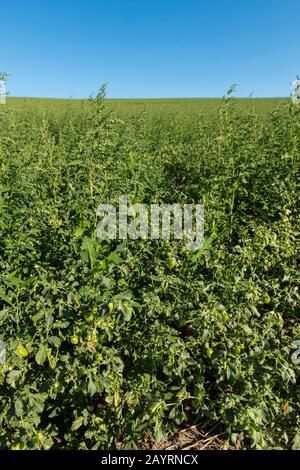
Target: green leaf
x=173, y=412
x=230, y=374
x=246, y=329
x=19, y=407
x=37, y=403
x=127, y=310
x=114, y=258
x=55, y=341
x=13, y=376
x=4, y=297
x=296, y=442
x=77, y=423
x=92, y=388
x=158, y=432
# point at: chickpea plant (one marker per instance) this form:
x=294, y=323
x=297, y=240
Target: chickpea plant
x=107, y=341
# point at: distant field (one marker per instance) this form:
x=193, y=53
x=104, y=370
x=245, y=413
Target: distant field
x=187, y=106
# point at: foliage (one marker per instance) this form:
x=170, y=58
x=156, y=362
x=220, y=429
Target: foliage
x=106, y=340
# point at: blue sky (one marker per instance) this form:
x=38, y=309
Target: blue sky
x=150, y=48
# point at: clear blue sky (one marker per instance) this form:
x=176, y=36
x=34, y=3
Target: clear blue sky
x=150, y=48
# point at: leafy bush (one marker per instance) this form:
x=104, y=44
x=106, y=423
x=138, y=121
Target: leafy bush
x=106, y=340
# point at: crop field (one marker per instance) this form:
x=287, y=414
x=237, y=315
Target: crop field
x=112, y=344
x=186, y=108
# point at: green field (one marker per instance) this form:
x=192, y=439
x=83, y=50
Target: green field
x=107, y=341
x=185, y=106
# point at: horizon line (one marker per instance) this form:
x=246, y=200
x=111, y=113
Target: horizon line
x=152, y=98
